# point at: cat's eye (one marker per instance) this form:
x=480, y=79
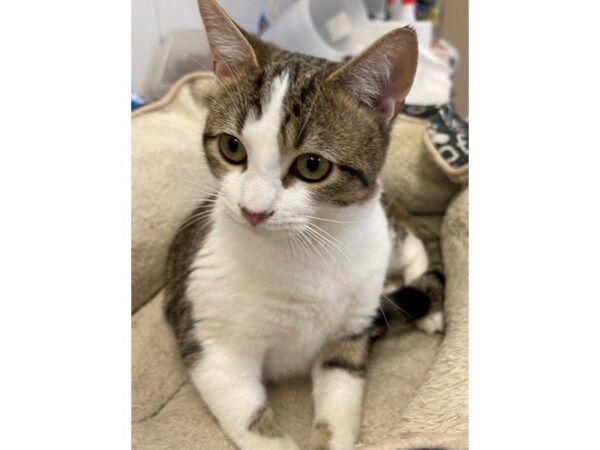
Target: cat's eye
x=311, y=167
x=232, y=149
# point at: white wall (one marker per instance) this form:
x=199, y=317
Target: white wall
x=145, y=36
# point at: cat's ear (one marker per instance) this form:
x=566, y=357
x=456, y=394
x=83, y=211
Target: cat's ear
x=381, y=76
x=229, y=47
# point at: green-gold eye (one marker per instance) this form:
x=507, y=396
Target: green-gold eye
x=311, y=167
x=232, y=149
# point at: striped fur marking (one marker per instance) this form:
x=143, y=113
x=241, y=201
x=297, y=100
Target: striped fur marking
x=178, y=308
x=359, y=370
x=263, y=423
x=321, y=436
x=349, y=354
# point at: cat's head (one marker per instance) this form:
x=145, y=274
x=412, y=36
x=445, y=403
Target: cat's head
x=289, y=136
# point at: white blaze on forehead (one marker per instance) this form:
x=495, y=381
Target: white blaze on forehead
x=260, y=136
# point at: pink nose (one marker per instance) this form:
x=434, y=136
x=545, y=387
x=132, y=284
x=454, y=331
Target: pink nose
x=255, y=218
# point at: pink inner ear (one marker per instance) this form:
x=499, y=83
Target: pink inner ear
x=221, y=69
x=387, y=108
x=402, y=76
x=392, y=96
x=382, y=75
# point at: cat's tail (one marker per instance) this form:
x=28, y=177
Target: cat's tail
x=422, y=296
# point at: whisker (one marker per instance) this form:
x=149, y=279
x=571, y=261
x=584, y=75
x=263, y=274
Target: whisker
x=397, y=307
x=196, y=217
x=201, y=195
x=293, y=242
x=227, y=90
x=314, y=247
x=195, y=201
x=305, y=122
x=303, y=247
x=319, y=240
x=384, y=317
x=330, y=220
x=333, y=242
x=203, y=94
x=196, y=183
x=201, y=227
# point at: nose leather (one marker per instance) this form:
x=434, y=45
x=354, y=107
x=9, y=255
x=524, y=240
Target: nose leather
x=255, y=218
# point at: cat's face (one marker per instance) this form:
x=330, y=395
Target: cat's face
x=291, y=137
x=282, y=148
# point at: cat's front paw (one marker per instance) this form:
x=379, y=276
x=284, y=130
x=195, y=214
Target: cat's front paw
x=432, y=323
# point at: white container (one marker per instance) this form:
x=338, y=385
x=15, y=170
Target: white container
x=324, y=28
x=396, y=10
x=405, y=12
x=334, y=29
x=424, y=29
x=376, y=8
x=433, y=82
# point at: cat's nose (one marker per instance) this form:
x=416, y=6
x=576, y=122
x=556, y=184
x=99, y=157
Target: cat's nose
x=255, y=218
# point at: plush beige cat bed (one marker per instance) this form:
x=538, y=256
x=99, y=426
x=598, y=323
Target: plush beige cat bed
x=416, y=391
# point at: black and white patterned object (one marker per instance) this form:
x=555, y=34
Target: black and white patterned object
x=420, y=111
x=448, y=132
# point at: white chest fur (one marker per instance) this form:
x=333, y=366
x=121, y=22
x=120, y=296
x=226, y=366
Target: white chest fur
x=265, y=295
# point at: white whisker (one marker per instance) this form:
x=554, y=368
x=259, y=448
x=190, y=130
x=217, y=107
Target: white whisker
x=194, y=218
x=384, y=317
x=330, y=220
x=396, y=306
x=305, y=122
x=333, y=242
x=314, y=247
x=319, y=240
x=227, y=90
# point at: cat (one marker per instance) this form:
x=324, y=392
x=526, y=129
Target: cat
x=281, y=270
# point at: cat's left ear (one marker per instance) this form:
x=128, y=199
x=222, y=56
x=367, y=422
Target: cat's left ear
x=229, y=47
x=381, y=76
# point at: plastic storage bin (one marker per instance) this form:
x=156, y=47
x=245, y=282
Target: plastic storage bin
x=334, y=30
x=187, y=51
x=182, y=52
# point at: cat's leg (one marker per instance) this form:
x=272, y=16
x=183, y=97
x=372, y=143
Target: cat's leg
x=423, y=277
x=230, y=384
x=338, y=384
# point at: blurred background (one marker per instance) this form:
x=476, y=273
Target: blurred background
x=168, y=39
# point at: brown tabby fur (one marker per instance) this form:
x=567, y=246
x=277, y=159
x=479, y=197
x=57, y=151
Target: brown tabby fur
x=178, y=310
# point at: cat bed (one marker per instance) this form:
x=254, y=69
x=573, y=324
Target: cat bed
x=416, y=386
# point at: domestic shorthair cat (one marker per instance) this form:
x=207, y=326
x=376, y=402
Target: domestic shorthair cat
x=281, y=270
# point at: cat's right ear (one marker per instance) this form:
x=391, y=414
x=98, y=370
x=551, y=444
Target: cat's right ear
x=229, y=47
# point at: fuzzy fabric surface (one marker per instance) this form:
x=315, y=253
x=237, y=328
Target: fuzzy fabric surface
x=416, y=388
x=409, y=175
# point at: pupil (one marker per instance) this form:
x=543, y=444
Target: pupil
x=233, y=145
x=313, y=163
